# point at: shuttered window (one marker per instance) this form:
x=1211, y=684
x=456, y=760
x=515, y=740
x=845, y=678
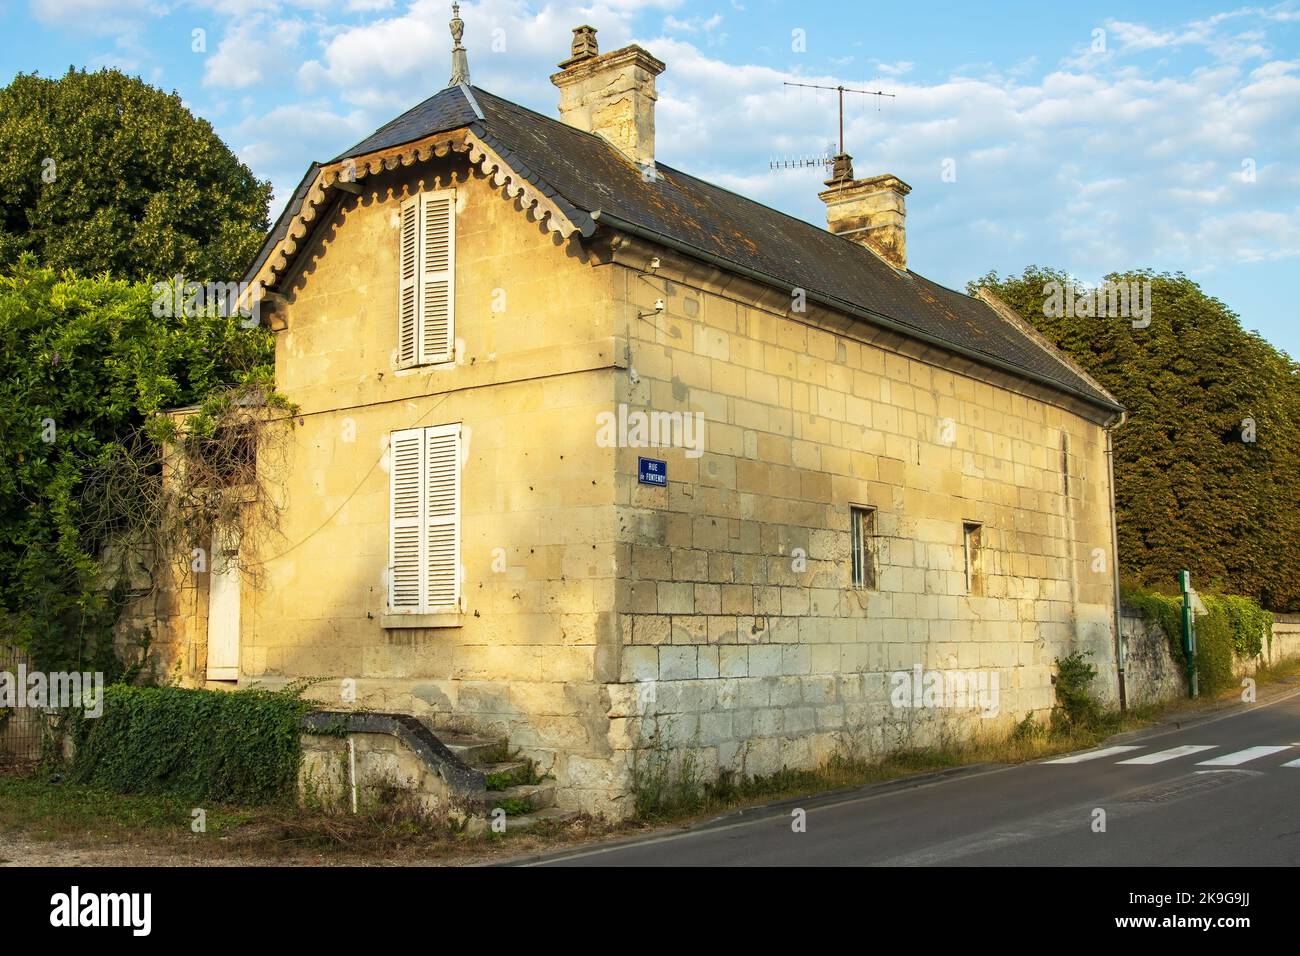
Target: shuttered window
x=426, y=306
x=424, y=527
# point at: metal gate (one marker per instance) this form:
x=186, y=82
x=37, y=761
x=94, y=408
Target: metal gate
x=21, y=727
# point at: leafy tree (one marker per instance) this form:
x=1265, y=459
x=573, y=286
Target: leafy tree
x=1208, y=463
x=100, y=172
x=85, y=368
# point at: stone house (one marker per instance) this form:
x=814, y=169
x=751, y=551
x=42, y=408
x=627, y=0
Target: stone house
x=601, y=457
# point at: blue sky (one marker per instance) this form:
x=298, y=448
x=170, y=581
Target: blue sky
x=1084, y=136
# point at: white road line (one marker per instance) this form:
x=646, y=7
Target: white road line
x=1242, y=756
x=1093, y=755
x=1292, y=763
x=1173, y=754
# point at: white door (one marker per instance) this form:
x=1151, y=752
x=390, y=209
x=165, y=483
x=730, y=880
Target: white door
x=223, y=617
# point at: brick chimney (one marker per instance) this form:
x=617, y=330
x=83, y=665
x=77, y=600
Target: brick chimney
x=868, y=211
x=611, y=94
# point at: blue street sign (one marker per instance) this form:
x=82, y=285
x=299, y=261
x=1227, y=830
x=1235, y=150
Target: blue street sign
x=652, y=471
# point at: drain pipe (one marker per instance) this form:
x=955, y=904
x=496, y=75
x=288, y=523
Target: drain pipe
x=352, y=769
x=1114, y=423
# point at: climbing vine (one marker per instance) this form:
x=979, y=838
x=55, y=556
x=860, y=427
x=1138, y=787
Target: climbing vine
x=229, y=746
x=102, y=489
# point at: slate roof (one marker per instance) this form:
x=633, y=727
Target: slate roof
x=583, y=174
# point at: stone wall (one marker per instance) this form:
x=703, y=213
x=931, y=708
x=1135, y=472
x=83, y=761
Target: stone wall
x=536, y=638
x=1152, y=674
x=742, y=636
x=1286, y=638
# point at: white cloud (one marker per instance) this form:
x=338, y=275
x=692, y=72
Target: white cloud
x=894, y=69
x=251, y=51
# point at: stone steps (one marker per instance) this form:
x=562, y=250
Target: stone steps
x=506, y=773
x=546, y=815
x=475, y=751
x=508, y=779
x=537, y=796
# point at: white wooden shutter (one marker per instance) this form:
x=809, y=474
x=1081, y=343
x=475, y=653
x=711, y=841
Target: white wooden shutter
x=408, y=287
x=424, y=526
x=406, y=526
x=442, y=517
x=437, y=276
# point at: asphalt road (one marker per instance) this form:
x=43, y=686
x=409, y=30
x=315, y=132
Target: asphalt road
x=1218, y=793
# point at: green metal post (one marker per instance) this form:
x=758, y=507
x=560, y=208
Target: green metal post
x=1189, y=634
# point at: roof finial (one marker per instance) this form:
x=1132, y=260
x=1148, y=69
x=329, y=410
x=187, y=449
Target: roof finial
x=459, y=58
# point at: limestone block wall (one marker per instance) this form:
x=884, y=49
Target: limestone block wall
x=741, y=634
x=534, y=344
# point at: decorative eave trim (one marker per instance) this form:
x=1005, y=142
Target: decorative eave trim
x=336, y=177
x=537, y=204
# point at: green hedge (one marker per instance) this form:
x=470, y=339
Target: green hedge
x=228, y=747
x=1234, y=626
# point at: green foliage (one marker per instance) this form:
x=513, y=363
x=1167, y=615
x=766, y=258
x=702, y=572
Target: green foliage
x=1214, y=640
x=1235, y=626
x=665, y=780
x=1076, y=707
x=101, y=172
x=1249, y=623
x=220, y=746
x=513, y=806
x=86, y=363
x=1190, y=491
x=1160, y=610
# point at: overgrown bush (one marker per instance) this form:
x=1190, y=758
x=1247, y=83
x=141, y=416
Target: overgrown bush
x=1076, y=707
x=86, y=371
x=230, y=747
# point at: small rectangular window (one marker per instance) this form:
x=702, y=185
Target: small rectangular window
x=1065, y=464
x=972, y=535
x=862, y=535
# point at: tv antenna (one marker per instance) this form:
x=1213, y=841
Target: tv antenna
x=828, y=161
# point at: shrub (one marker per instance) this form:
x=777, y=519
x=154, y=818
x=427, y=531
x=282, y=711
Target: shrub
x=223, y=746
x=1075, y=705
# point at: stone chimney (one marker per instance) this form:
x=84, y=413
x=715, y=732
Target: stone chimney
x=869, y=211
x=611, y=94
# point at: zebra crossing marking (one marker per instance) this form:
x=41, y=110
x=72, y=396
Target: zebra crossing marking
x=1093, y=754
x=1172, y=754
x=1242, y=756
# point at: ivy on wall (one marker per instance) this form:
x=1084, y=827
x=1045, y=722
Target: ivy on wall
x=1234, y=627
x=240, y=746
